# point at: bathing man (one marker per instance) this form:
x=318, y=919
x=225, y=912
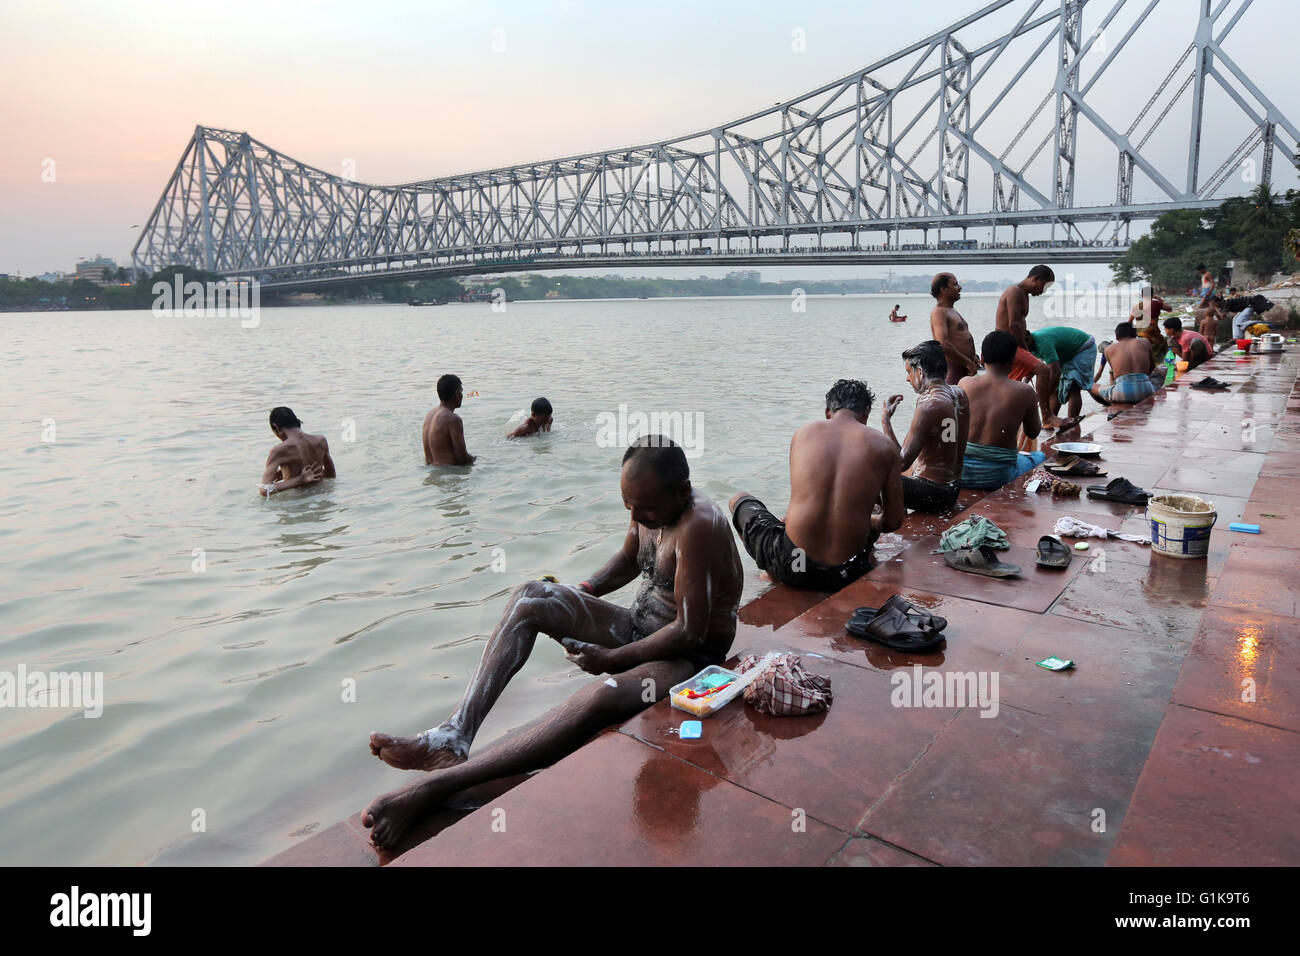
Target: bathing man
x=1129, y=358
x=299, y=459
x=538, y=421
x=950, y=330
x=682, y=620
x=444, y=433
x=999, y=408
x=1013, y=310
x=839, y=470
x=937, y=439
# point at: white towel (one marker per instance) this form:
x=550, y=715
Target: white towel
x=1074, y=528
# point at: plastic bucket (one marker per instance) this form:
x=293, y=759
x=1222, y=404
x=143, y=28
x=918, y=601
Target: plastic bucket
x=1243, y=344
x=1180, y=525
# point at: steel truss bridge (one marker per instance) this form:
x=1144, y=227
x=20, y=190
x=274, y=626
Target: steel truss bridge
x=981, y=126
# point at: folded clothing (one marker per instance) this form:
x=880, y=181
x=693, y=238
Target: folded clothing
x=972, y=533
x=785, y=689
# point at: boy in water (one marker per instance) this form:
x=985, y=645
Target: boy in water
x=538, y=421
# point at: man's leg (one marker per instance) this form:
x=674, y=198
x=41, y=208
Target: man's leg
x=556, y=734
x=554, y=609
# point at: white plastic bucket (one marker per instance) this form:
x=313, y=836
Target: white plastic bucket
x=1180, y=525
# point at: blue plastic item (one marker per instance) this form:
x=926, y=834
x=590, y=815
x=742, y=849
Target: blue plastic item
x=1248, y=528
x=691, y=729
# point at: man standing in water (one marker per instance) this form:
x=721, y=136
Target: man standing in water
x=1013, y=310
x=999, y=409
x=950, y=330
x=937, y=439
x=839, y=471
x=683, y=619
x=299, y=459
x=444, y=432
x=895, y=317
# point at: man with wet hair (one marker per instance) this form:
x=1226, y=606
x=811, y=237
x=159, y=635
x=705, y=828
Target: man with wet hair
x=299, y=459
x=839, y=471
x=1013, y=311
x=538, y=421
x=936, y=440
x=682, y=620
x=444, y=433
x=999, y=408
x=950, y=329
x=1129, y=358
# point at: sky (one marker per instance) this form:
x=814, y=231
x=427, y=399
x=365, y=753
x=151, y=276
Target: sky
x=97, y=101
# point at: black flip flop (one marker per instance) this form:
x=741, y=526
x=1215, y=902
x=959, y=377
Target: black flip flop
x=891, y=628
x=982, y=560
x=1210, y=384
x=1121, y=490
x=918, y=616
x=1052, y=553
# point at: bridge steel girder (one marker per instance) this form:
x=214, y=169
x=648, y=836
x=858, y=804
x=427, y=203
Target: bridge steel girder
x=894, y=147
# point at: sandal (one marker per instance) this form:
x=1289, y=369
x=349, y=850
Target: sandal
x=891, y=628
x=1209, y=384
x=1121, y=490
x=1074, y=465
x=918, y=616
x=981, y=560
x=1052, y=552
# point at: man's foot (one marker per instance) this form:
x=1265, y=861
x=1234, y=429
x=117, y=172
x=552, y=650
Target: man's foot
x=432, y=750
x=1052, y=421
x=389, y=816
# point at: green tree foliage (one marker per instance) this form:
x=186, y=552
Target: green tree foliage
x=1250, y=229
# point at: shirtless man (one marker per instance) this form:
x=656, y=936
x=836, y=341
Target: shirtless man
x=444, y=432
x=1129, y=358
x=1208, y=316
x=839, y=470
x=538, y=421
x=937, y=439
x=999, y=408
x=683, y=619
x=1013, y=310
x=950, y=330
x=299, y=459
x=895, y=317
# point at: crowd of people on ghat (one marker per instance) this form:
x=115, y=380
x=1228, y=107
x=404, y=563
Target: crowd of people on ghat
x=979, y=412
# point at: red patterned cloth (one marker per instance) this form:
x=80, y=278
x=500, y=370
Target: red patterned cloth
x=785, y=689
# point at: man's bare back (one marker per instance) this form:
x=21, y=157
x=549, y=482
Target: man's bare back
x=444, y=438
x=940, y=427
x=1127, y=356
x=838, y=469
x=999, y=408
x=299, y=459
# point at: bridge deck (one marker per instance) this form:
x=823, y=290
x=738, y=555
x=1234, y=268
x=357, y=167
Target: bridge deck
x=1150, y=728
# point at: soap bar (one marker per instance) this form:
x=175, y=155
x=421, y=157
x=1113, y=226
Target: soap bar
x=1248, y=528
x=691, y=729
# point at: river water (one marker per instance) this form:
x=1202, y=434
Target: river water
x=233, y=632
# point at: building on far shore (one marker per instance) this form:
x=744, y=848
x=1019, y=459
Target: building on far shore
x=97, y=270
x=746, y=275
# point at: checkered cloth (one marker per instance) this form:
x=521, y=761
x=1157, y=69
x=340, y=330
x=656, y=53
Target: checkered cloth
x=785, y=689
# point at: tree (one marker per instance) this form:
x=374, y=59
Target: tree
x=1262, y=230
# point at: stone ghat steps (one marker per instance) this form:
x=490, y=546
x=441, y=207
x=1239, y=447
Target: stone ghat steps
x=1145, y=753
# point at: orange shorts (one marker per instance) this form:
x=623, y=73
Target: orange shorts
x=1026, y=365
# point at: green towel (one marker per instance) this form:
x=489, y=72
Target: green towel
x=973, y=532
